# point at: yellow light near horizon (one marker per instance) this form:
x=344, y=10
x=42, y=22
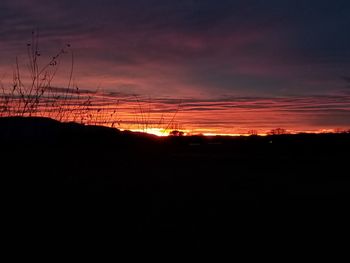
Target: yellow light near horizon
x=154, y=131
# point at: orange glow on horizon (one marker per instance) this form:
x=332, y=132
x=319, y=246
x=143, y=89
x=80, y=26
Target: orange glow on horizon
x=234, y=117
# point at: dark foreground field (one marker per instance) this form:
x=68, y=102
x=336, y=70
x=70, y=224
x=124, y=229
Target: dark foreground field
x=84, y=183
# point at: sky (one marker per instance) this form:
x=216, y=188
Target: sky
x=231, y=65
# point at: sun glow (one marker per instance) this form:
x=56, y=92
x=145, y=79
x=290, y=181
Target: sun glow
x=155, y=131
x=235, y=117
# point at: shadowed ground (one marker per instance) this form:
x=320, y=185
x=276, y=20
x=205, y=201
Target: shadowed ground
x=175, y=192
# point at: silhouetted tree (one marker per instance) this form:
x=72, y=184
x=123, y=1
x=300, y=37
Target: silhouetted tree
x=176, y=133
x=253, y=132
x=277, y=131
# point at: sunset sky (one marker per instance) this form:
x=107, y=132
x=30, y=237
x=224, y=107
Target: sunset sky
x=231, y=65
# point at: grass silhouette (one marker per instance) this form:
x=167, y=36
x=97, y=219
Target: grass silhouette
x=33, y=93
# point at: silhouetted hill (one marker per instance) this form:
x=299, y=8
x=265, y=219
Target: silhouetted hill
x=44, y=130
x=175, y=191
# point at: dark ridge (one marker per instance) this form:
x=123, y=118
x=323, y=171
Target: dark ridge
x=176, y=191
x=41, y=131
